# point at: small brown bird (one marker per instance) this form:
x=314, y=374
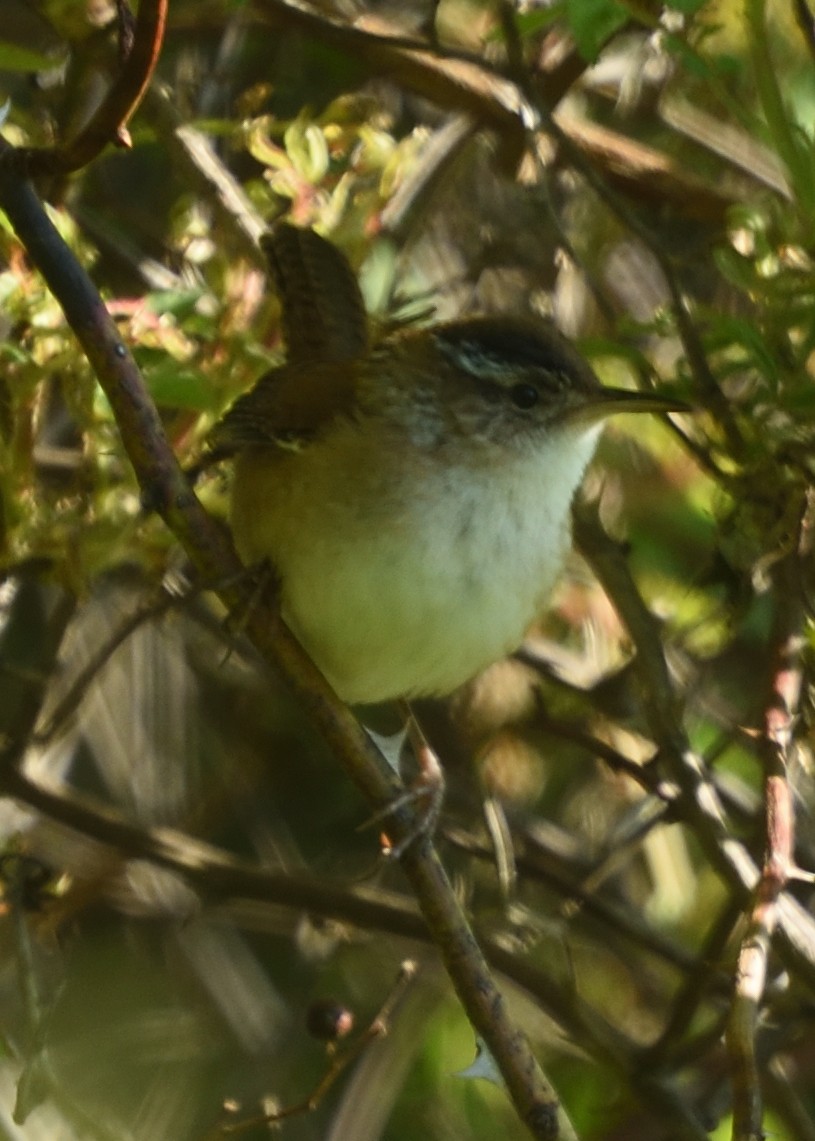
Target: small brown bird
x=412, y=496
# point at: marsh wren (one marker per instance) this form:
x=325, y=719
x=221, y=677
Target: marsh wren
x=414, y=497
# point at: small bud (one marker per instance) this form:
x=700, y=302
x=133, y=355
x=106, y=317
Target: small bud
x=329, y=1020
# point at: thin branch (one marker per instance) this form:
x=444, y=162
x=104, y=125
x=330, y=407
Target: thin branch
x=198, y=159
x=779, y=719
x=377, y=1028
x=703, y=809
x=689, y=998
x=457, y=81
x=141, y=51
x=222, y=879
x=69, y=703
x=537, y=864
x=699, y=802
x=806, y=24
x=787, y=139
x=783, y=1097
x=661, y=706
x=166, y=490
x=704, y=379
x=608, y=1045
x=512, y=42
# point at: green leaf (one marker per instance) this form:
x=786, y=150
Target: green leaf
x=735, y=268
x=13, y=353
x=15, y=58
x=593, y=22
x=800, y=401
x=180, y=302
x=307, y=148
x=533, y=21
x=173, y=385
x=536, y=19
x=377, y=275
x=727, y=332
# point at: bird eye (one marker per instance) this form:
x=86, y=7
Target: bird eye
x=524, y=396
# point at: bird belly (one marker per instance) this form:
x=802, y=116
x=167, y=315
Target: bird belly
x=420, y=593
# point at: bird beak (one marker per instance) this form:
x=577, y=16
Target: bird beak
x=612, y=401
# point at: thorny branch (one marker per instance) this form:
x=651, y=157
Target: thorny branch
x=779, y=857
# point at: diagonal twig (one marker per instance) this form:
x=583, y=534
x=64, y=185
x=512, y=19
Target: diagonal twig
x=166, y=490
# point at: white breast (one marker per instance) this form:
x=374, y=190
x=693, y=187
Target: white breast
x=420, y=591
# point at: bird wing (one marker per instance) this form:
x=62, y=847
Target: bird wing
x=325, y=329
x=288, y=407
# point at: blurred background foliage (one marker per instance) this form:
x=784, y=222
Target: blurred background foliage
x=665, y=218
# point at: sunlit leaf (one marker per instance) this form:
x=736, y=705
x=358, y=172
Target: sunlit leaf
x=174, y=386
x=592, y=22
x=16, y=58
